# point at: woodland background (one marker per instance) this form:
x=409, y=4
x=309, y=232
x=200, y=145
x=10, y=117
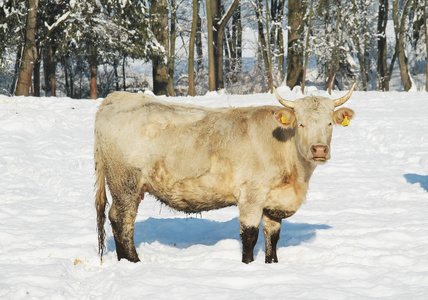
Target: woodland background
x=88, y=49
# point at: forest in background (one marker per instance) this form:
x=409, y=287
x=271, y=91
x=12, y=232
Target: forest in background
x=85, y=49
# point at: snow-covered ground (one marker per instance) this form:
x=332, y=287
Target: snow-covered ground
x=363, y=232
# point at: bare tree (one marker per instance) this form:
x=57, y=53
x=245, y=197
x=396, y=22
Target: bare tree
x=295, y=53
x=94, y=70
x=277, y=34
x=305, y=66
x=191, y=63
x=233, y=46
x=426, y=43
x=159, y=24
x=382, y=66
x=171, y=56
x=199, y=52
x=29, y=54
x=216, y=24
x=211, y=62
x=333, y=68
x=400, y=32
x=264, y=40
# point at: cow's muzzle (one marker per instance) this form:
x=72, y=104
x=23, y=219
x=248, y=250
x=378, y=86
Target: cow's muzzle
x=319, y=152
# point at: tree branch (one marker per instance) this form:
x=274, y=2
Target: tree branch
x=229, y=13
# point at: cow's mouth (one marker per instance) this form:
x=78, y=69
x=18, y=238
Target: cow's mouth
x=321, y=159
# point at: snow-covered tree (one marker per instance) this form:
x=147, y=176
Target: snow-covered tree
x=361, y=27
x=12, y=35
x=331, y=44
x=106, y=32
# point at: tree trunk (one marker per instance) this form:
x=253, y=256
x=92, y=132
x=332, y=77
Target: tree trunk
x=399, y=27
x=228, y=51
x=232, y=44
x=211, y=61
x=29, y=54
x=426, y=43
x=336, y=62
x=276, y=34
x=308, y=34
x=263, y=43
x=159, y=24
x=171, y=57
x=36, y=78
x=361, y=59
x=46, y=72
x=217, y=43
x=49, y=67
x=418, y=21
x=16, y=71
x=269, y=43
x=71, y=82
x=199, y=52
x=63, y=61
x=191, y=63
x=237, y=40
x=116, y=74
x=218, y=24
x=280, y=39
x=123, y=72
x=336, y=51
x=382, y=66
x=94, y=71
x=52, y=70
x=294, y=52
x=360, y=55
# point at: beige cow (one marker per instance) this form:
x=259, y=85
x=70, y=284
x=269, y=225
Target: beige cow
x=196, y=159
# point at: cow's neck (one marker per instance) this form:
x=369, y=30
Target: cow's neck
x=303, y=168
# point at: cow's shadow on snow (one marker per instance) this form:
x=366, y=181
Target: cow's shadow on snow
x=414, y=178
x=186, y=232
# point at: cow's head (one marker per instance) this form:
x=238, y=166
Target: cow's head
x=313, y=119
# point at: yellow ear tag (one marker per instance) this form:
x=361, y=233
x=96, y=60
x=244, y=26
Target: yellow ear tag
x=346, y=122
x=284, y=120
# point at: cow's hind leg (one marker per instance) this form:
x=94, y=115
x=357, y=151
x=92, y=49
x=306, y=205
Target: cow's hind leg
x=271, y=231
x=122, y=217
x=122, y=214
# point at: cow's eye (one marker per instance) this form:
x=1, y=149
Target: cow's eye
x=329, y=124
x=301, y=125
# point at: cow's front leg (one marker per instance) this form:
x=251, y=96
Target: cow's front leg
x=249, y=235
x=271, y=231
x=249, y=219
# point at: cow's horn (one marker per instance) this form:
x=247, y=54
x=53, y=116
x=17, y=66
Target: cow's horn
x=286, y=103
x=345, y=98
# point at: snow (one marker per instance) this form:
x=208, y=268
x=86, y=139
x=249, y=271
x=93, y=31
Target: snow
x=361, y=234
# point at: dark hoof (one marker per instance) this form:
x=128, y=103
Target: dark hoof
x=133, y=259
x=247, y=261
x=270, y=260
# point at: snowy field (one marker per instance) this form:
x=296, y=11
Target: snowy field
x=362, y=234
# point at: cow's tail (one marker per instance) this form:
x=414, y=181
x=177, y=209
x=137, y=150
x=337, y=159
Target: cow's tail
x=100, y=197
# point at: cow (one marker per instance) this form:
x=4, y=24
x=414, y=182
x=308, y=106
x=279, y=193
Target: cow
x=196, y=159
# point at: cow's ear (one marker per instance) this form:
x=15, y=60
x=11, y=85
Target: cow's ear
x=285, y=117
x=340, y=114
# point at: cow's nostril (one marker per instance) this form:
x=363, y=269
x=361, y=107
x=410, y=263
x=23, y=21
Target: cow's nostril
x=319, y=150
